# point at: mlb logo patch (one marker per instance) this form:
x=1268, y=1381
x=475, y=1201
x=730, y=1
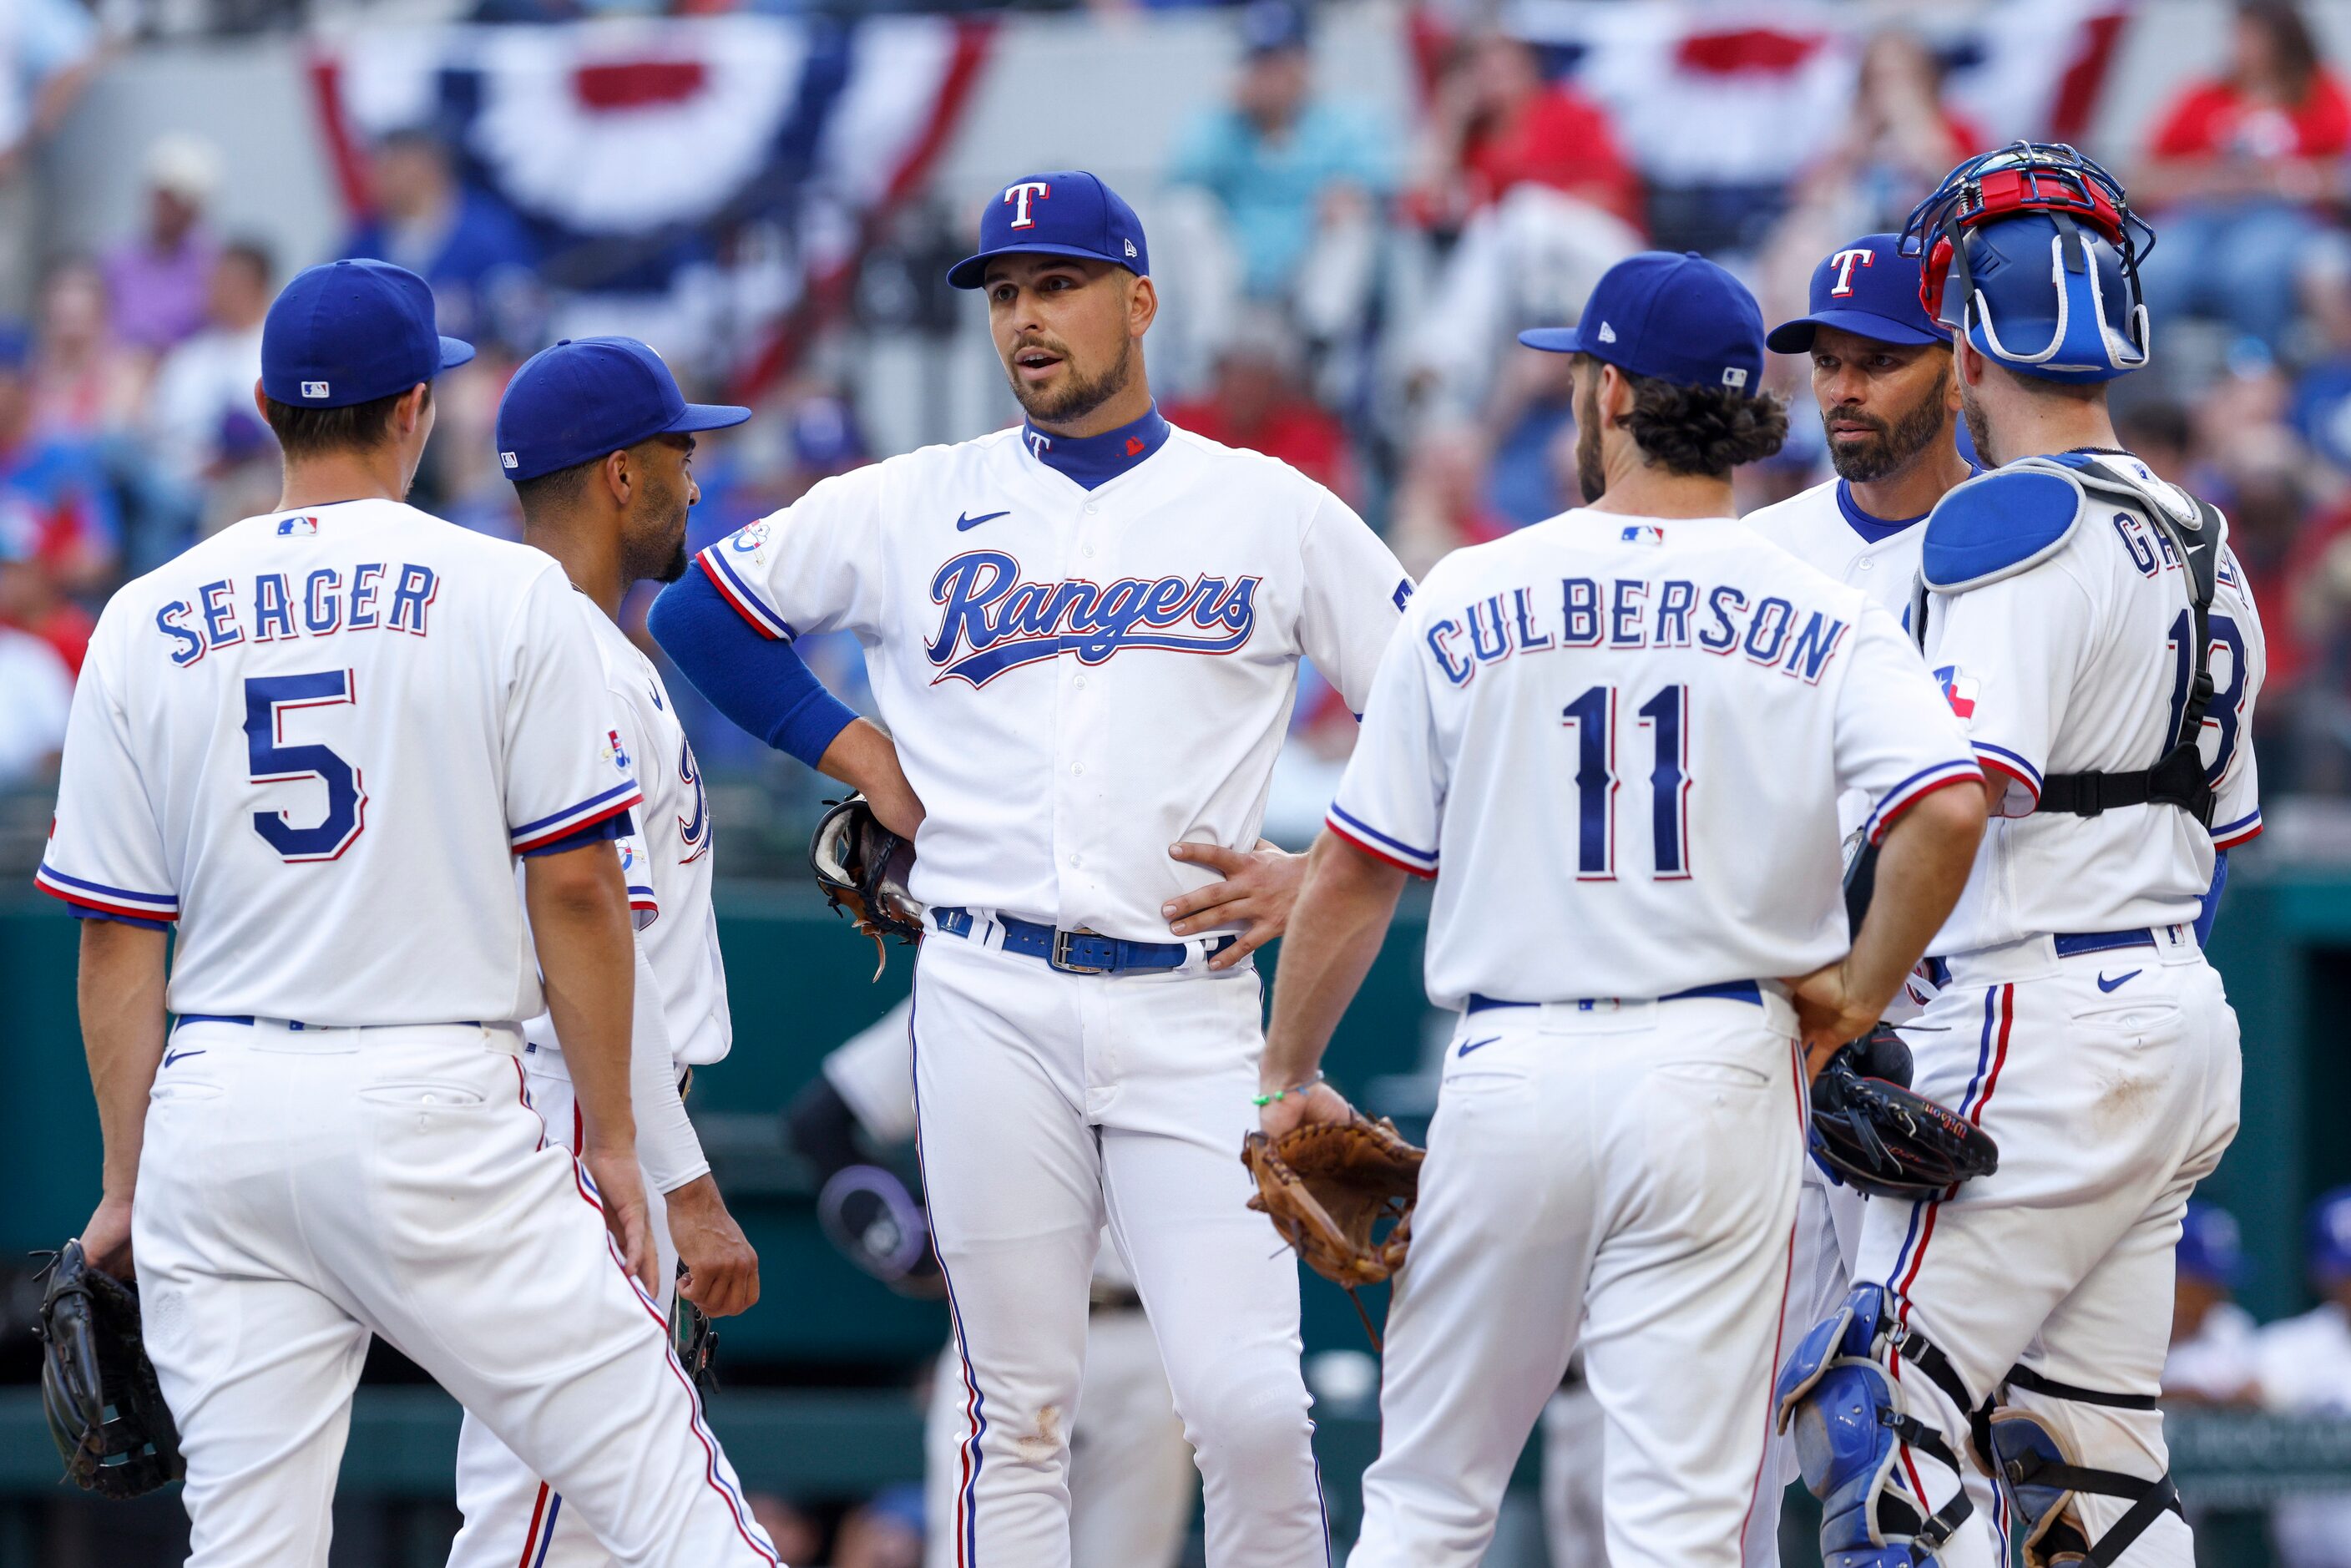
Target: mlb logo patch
x=293, y=528
x=616, y=751
x=1644, y=533
x=510, y=459
x=314, y=388
x=1959, y=690
x=1734, y=376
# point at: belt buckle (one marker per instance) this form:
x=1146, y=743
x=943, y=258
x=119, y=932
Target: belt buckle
x=1060, y=957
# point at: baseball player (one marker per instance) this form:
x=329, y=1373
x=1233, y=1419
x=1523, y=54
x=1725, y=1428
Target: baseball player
x=1131, y=1475
x=2090, y=625
x=2305, y=1366
x=600, y=442
x=1890, y=410
x=1084, y=635
x=314, y=746
x=1576, y=734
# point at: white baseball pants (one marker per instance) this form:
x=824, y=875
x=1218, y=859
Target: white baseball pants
x=514, y=1518
x=1048, y=1103
x=302, y=1189
x=2110, y=1082
x=1629, y=1171
x=1131, y=1474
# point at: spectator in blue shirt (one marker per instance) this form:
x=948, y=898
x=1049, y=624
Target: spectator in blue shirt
x=468, y=244
x=1285, y=166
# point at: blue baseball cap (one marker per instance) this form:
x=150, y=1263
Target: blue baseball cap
x=1869, y=289
x=586, y=397
x=2330, y=1235
x=352, y=331
x=1071, y=212
x=2210, y=1247
x=1680, y=318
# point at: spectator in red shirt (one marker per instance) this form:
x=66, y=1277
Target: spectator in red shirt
x=2235, y=172
x=1258, y=400
x=1496, y=123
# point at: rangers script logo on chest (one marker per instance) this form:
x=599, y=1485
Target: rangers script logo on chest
x=991, y=619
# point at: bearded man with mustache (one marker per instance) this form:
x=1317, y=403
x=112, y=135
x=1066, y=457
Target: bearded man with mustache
x=1890, y=408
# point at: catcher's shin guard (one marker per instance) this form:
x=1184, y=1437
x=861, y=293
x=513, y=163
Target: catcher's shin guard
x=1850, y=1421
x=2040, y=1478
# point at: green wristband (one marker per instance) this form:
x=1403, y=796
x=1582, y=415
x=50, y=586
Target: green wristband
x=1262, y=1101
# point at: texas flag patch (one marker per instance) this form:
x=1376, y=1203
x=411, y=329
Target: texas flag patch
x=616, y=751
x=1959, y=690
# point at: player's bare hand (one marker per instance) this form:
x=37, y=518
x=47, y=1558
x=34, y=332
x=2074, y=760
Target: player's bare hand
x=1259, y=888
x=106, y=1240
x=722, y=1271
x=1828, y=1014
x=1299, y=1108
x=621, y=1185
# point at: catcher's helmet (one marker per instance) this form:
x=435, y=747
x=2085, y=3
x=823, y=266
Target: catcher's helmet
x=2034, y=253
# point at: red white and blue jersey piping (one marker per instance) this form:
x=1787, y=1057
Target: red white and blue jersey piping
x=1380, y=846
x=2009, y=763
x=586, y=814
x=2243, y=830
x=1917, y=788
x=110, y=900
x=743, y=597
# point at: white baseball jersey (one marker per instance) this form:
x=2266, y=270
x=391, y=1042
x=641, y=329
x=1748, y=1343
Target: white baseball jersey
x=1622, y=740
x=315, y=740
x=2079, y=663
x=1077, y=678
x=667, y=858
x=1825, y=529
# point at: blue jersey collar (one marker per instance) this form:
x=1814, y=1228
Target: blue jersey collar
x=1873, y=530
x=1093, y=460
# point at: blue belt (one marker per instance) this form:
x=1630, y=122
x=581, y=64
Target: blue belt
x=1077, y=952
x=2081, y=942
x=247, y=1020
x=1728, y=991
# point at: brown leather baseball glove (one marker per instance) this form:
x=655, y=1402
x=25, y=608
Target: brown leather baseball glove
x=862, y=867
x=1328, y=1185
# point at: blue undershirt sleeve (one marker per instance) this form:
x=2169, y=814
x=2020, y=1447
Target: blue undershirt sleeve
x=2212, y=899
x=755, y=679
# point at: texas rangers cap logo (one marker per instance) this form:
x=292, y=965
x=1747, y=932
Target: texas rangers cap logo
x=1018, y=197
x=1844, y=261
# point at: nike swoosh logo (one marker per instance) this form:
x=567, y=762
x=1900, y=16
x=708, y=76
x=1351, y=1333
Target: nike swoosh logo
x=2119, y=981
x=171, y=1056
x=965, y=524
x=1475, y=1045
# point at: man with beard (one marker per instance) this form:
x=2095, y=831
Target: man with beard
x=1578, y=734
x=599, y=443
x=1088, y=693
x=1890, y=408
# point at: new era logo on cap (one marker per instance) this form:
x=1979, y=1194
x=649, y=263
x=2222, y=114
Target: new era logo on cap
x=314, y=388
x=1608, y=333
x=1130, y=247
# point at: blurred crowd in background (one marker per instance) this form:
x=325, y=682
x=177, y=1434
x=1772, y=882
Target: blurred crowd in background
x=1345, y=277
x=2295, y=1366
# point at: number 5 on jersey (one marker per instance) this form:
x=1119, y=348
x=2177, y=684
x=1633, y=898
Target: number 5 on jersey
x=268, y=700
x=1593, y=715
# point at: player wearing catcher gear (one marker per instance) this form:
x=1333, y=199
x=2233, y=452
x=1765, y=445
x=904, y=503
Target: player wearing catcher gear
x=1084, y=635
x=1576, y=734
x=2091, y=626
x=317, y=742
x=599, y=443
x=1889, y=408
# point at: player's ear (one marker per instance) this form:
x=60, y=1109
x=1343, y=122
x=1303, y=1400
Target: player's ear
x=615, y=472
x=1142, y=307
x=1970, y=364
x=260, y=401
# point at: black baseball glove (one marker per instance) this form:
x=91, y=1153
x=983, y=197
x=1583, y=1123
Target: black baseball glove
x=93, y=1362
x=862, y=867
x=1872, y=1133
x=693, y=1339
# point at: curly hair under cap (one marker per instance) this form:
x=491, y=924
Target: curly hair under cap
x=1704, y=430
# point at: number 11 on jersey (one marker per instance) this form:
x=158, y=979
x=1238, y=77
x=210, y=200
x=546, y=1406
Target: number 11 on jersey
x=1665, y=715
